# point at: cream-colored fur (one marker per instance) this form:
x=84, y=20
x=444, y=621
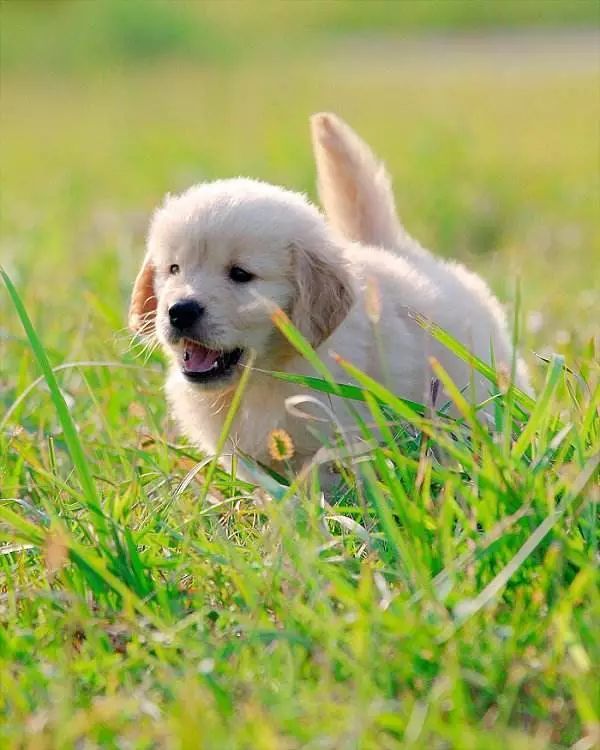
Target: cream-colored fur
x=320, y=272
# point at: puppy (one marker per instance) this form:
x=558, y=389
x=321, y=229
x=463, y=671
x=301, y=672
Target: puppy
x=223, y=255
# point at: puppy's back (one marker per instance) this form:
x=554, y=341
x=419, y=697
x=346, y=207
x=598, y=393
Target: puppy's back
x=357, y=196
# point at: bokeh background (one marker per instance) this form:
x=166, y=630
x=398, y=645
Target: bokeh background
x=271, y=635
x=486, y=113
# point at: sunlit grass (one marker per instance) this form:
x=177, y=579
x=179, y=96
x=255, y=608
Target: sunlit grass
x=427, y=583
x=446, y=594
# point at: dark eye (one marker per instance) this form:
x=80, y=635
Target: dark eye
x=239, y=275
x=173, y=268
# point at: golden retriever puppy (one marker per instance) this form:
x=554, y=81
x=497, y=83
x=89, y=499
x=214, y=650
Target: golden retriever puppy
x=223, y=255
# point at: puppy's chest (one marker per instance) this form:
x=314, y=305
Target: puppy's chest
x=261, y=412
x=202, y=418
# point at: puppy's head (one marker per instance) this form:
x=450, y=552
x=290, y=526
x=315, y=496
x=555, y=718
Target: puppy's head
x=221, y=257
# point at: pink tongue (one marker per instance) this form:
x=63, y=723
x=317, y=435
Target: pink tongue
x=197, y=358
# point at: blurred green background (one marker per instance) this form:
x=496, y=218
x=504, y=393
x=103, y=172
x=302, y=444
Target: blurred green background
x=487, y=115
x=486, y=112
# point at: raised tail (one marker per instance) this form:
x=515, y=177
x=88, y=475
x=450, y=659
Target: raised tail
x=356, y=191
x=354, y=186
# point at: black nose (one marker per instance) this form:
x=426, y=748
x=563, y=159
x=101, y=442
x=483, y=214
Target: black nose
x=184, y=314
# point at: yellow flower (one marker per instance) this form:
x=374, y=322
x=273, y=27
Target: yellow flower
x=281, y=447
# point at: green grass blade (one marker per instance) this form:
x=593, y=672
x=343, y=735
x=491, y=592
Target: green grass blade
x=227, y=425
x=461, y=351
x=344, y=390
x=80, y=556
x=464, y=407
x=72, y=440
x=301, y=344
x=541, y=409
x=382, y=393
x=25, y=530
x=285, y=325
x=467, y=609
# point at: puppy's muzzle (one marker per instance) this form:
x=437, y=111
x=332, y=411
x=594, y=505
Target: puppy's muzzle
x=184, y=314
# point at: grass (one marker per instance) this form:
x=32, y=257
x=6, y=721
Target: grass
x=148, y=600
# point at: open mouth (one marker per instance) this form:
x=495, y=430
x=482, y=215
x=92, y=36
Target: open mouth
x=202, y=364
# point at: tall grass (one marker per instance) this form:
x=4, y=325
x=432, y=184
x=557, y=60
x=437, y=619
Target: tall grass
x=445, y=594
x=429, y=600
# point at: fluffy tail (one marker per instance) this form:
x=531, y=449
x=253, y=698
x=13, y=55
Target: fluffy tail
x=354, y=187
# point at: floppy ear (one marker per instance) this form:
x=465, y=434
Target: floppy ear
x=142, y=308
x=324, y=293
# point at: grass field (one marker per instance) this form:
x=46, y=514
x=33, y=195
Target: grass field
x=427, y=604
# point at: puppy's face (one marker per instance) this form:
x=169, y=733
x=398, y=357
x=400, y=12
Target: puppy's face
x=221, y=257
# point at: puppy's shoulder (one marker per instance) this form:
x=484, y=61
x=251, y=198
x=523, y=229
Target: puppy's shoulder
x=387, y=268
